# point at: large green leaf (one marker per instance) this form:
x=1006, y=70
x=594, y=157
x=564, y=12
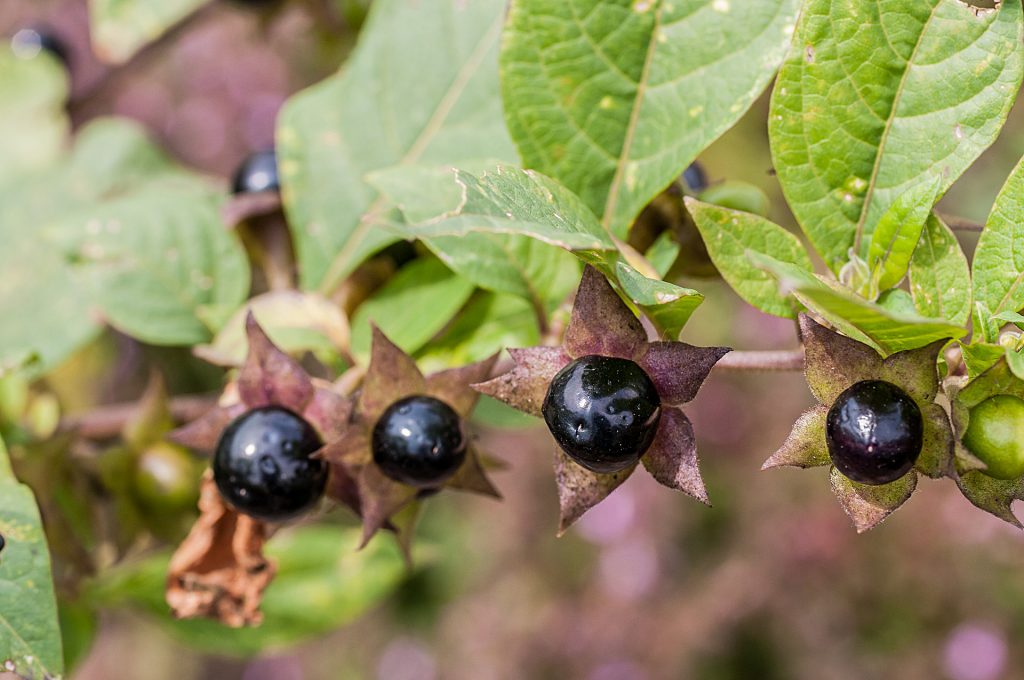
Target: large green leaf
x=322, y=583
x=667, y=305
x=490, y=323
x=877, y=96
x=615, y=98
x=420, y=87
x=120, y=28
x=29, y=629
x=414, y=305
x=729, y=234
x=33, y=124
x=158, y=260
x=998, y=266
x=55, y=315
x=886, y=330
x=940, y=279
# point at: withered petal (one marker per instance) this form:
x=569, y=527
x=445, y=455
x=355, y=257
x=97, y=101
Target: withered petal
x=329, y=413
x=526, y=385
x=269, y=376
x=805, y=446
x=472, y=477
x=995, y=496
x=203, y=433
x=678, y=369
x=672, y=459
x=833, y=362
x=453, y=385
x=601, y=322
x=937, y=458
x=579, y=489
x=868, y=505
x=380, y=498
x=219, y=570
x=915, y=370
x=392, y=374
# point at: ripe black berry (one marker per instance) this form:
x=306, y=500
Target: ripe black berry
x=3, y=542
x=262, y=465
x=695, y=177
x=874, y=432
x=30, y=41
x=419, y=441
x=257, y=173
x=603, y=412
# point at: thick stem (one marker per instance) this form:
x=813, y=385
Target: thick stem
x=766, y=362
x=106, y=422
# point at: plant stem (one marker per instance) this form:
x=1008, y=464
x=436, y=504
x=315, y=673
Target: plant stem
x=957, y=223
x=766, y=362
x=106, y=422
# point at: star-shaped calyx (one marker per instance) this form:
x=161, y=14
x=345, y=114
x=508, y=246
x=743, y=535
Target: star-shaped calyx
x=869, y=407
x=994, y=399
x=406, y=439
x=611, y=399
x=219, y=570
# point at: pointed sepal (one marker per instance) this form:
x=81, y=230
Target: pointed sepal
x=995, y=496
x=805, y=446
x=453, y=385
x=269, y=376
x=392, y=375
x=526, y=385
x=672, y=457
x=678, y=369
x=866, y=505
x=936, y=459
x=601, y=323
x=579, y=489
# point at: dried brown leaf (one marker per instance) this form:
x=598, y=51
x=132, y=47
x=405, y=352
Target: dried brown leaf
x=219, y=570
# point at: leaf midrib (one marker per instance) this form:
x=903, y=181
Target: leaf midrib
x=433, y=125
x=873, y=181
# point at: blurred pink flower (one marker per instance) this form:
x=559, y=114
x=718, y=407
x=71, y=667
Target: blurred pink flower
x=975, y=651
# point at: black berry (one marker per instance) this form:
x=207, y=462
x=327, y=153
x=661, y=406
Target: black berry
x=695, y=178
x=257, y=173
x=263, y=468
x=603, y=412
x=874, y=432
x=3, y=542
x=30, y=41
x=419, y=441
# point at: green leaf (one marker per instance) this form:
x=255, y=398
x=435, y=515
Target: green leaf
x=33, y=123
x=998, y=266
x=615, y=98
x=412, y=307
x=322, y=583
x=667, y=305
x=489, y=323
x=663, y=253
x=896, y=237
x=120, y=28
x=729, y=235
x=979, y=357
x=510, y=201
x=157, y=257
x=420, y=88
x=29, y=629
x=737, y=195
x=888, y=332
x=940, y=278
x=296, y=322
x=877, y=96
x=1015, y=360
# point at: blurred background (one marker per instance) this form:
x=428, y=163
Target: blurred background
x=772, y=582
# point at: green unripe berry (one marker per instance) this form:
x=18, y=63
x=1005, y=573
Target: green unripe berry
x=166, y=478
x=995, y=434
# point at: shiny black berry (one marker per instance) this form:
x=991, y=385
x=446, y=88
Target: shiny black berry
x=30, y=41
x=695, y=178
x=257, y=173
x=603, y=412
x=263, y=468
x=419, y=441
x=874, y=432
